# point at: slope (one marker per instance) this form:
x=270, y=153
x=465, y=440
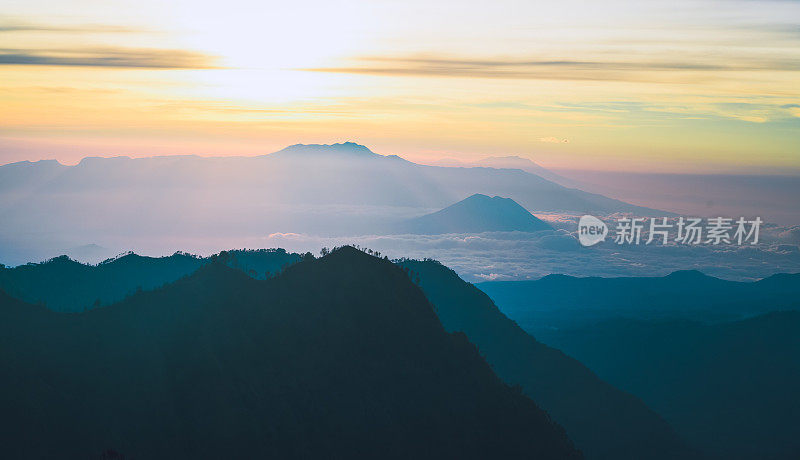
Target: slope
x=604, y=422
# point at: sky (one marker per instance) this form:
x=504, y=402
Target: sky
x=659, y=86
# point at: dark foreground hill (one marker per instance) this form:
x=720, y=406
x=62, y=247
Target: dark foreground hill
x=63, y=284
x=341, y=357
x=475, y=214
x=604, y=422
x=730, y=388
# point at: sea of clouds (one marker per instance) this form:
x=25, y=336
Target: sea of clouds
x=521, y=255
x=496, y=255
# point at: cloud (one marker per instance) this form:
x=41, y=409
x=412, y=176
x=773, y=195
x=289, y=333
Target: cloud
x=788, y=234
x=503, y=255
x=534, y=69
x=285, y=235
x=17, y=26
x=491, y=276
x=553, y=140
x=521, y=255
x=793, y=109
x=145, y=58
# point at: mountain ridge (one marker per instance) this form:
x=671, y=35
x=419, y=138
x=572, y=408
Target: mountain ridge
x=339, y=357
x=66, y=285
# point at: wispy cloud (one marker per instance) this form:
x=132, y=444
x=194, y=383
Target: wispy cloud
x=108, y=57
x=553, y=140
x=643, y=70
x=793, y=109
x=21, y=26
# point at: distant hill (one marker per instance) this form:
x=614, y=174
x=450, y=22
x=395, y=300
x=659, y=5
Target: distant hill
x=63, y=284
x=730, y=388
x=341, y=357
x=475, y=214
x=347, y=149
x=705, y=353
x=89, y=253
x=510, y=162
x=604, y=422
x=517, y=162
x=562, y=301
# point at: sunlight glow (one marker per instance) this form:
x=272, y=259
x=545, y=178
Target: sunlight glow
x=692, y=85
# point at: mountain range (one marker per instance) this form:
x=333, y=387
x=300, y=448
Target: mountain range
x=511, y=162
x=556, y=301
x=651, y=364
x=340, y=357
x=205, y=203
x=604, y=422
x=719, y=360
x=345, y=173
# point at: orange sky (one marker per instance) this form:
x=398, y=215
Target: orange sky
x=689, y=86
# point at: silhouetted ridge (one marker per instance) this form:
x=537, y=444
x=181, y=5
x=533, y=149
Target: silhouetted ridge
x=63, y=284
x=339, y=357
